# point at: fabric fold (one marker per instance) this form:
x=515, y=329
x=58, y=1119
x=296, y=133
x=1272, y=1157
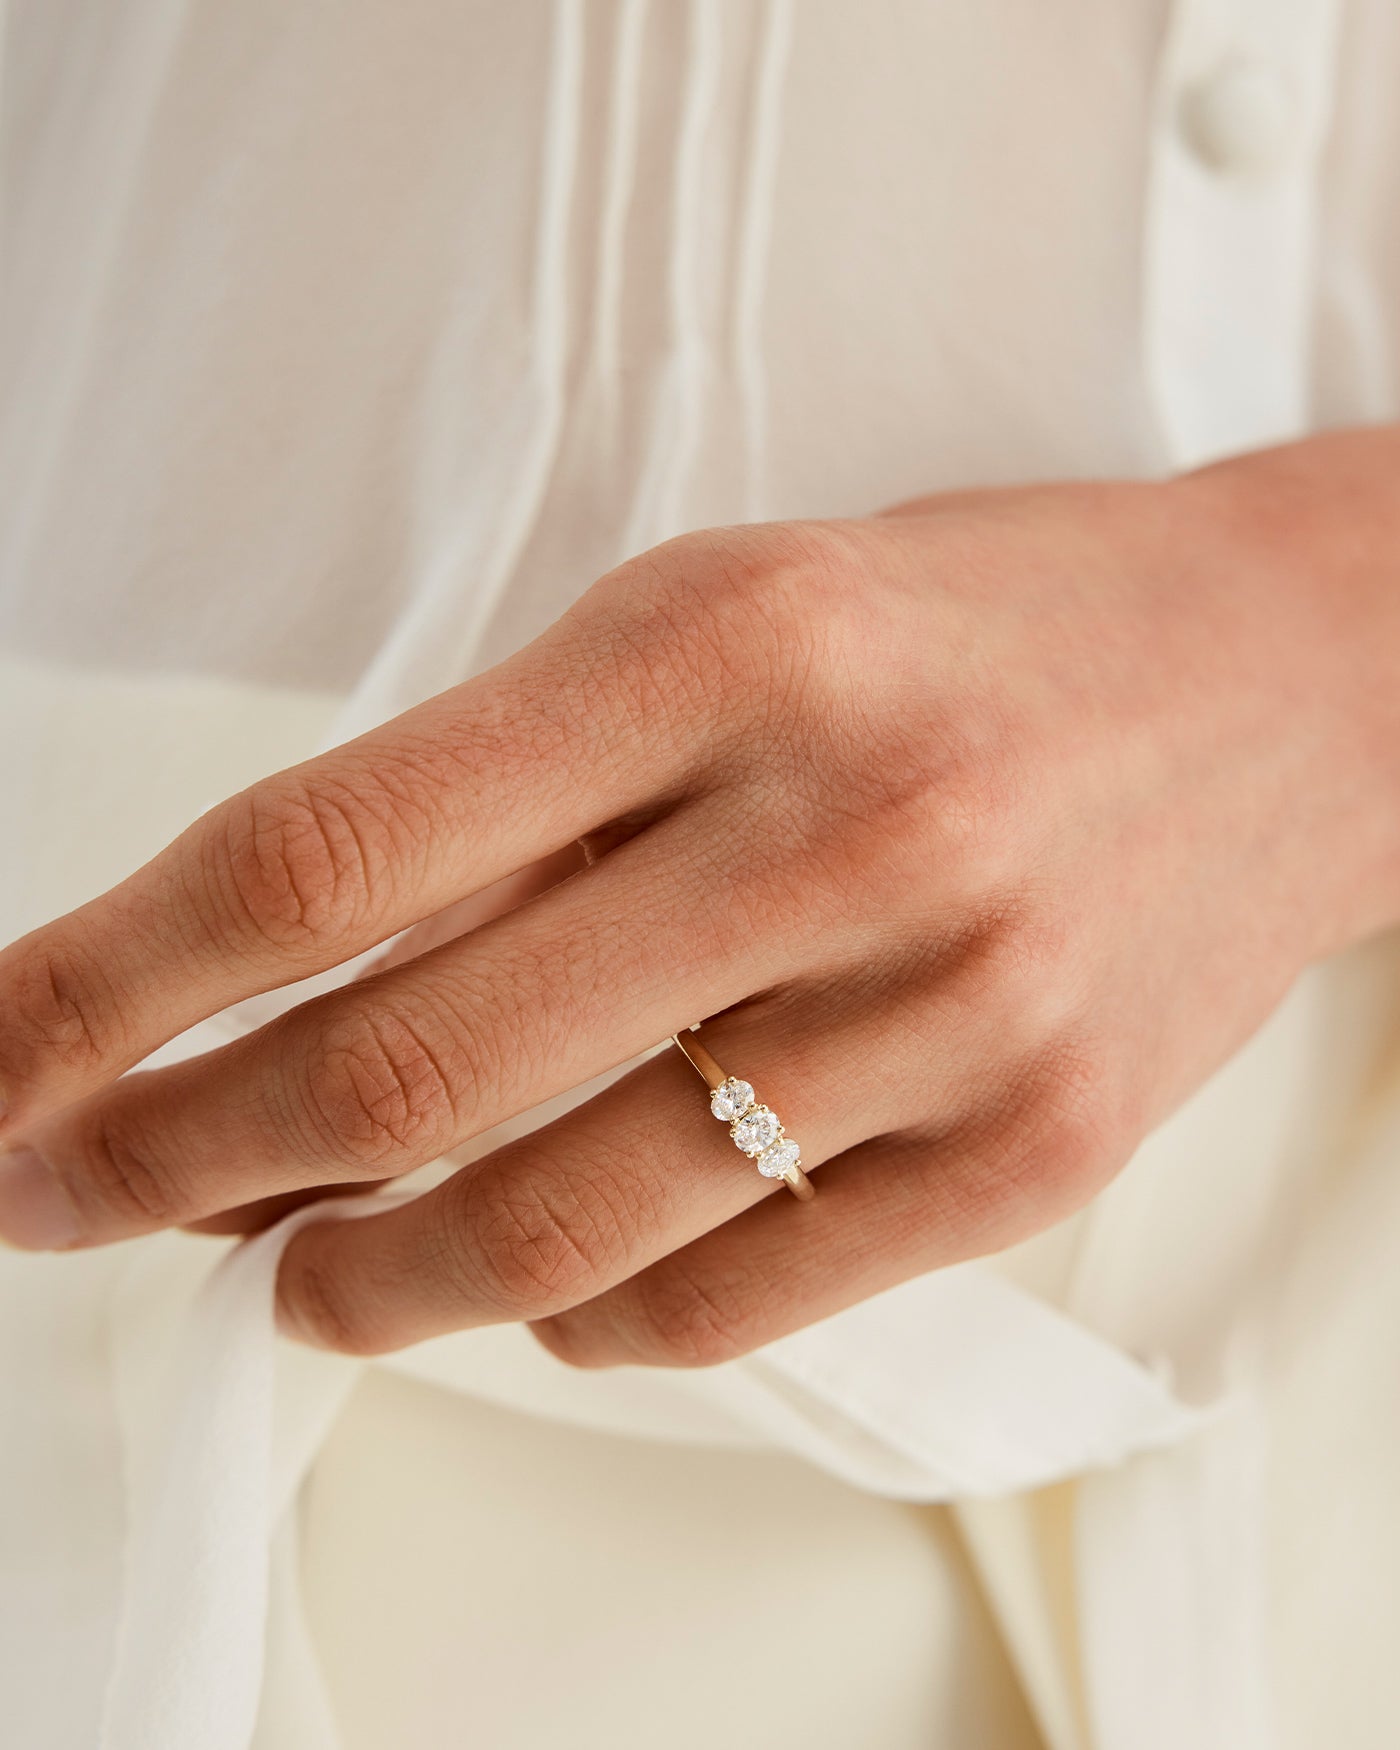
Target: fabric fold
x=1009, y=1395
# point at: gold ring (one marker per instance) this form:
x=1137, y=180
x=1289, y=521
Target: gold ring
x=755, y=1128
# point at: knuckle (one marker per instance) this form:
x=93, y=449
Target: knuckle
x=964, y=807
x=908, y=817
x=696, y=602
x=299, y=865
x=684, y=1319
x=938, y=767
x=694, y=578
x=122, y=1174
x=1031, y=976
x=1077, y=1132
x=1055, y=1142
x=526, y=1240
x=380, y=1087
x=317, y=1301
x=977, y=821
x=64, y=1011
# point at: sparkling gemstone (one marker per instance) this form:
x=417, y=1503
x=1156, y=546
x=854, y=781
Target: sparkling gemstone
x=756, y=1129
x=774, y=1162
x=731, y=1098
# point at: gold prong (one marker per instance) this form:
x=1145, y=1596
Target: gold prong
x=714, y=1077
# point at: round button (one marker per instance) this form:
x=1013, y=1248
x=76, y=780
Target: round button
x=1241, y=119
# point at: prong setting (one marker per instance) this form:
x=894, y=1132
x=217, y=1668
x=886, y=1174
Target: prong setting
x=753, y=1127
x=731, y=1099
x=779, y=1158
x=756, y=1129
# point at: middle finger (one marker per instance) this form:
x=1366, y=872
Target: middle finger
x=380, y=1077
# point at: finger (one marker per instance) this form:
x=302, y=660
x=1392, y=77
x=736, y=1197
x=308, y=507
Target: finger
x=446, y=926
x=557, y=1217
x=888, y=1210
x=322, y=861
x=378, y=1077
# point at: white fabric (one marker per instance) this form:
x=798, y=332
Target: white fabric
x=339, y=353
x=1243, y=103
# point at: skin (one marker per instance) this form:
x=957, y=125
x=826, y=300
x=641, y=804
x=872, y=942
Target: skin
x=980, y=832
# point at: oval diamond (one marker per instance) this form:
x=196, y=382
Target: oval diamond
x=779, y=1158
x=756, y=1129
x=731, y=1098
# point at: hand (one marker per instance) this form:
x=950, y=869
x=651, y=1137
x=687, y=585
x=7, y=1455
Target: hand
x=981, y=832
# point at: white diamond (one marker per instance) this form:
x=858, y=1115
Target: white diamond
x=774, y=1162
x=756, y=1129
x=731, y=1098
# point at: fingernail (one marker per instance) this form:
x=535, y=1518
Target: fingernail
x=36, y=1213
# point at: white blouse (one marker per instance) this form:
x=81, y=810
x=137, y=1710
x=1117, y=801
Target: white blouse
x=341, y=348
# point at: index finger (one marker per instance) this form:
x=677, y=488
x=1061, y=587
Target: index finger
x=323, y=860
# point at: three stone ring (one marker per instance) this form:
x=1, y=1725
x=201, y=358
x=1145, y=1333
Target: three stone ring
x=755, y=1128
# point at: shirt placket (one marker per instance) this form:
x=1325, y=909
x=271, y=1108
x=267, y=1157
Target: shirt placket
x=1242, y=105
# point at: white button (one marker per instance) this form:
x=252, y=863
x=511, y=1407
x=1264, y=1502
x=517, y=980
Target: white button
x=1241, y=119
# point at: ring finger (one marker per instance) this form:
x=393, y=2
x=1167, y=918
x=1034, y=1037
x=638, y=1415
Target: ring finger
x=563, y=1214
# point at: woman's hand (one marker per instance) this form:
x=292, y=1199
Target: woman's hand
x=982, y=831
